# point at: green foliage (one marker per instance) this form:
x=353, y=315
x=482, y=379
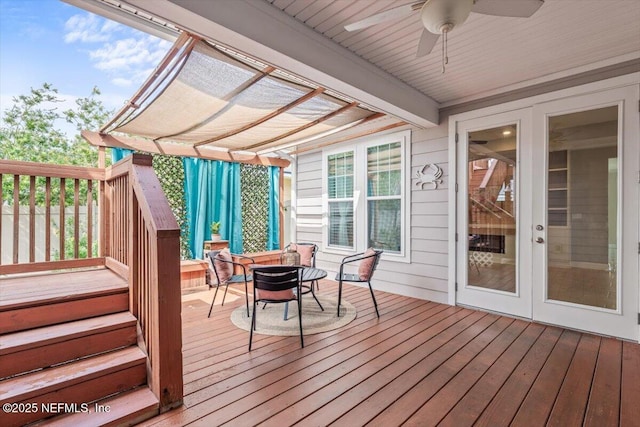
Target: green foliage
x=29, y=132
x=254, y=182
x=170, y=172
x=215, y=227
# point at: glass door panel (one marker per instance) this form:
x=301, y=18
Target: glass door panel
x=491, y=204
x=582, y=208
x=585, y=231
x=493, y=265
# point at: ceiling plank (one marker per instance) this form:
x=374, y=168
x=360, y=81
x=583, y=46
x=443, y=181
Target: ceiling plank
x=155, y=147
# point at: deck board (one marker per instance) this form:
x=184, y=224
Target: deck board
x=421, y=363
x=24, y=291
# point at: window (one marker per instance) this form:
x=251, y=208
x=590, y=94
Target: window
x=366, y=189
x=340, y=189
x=384, y=197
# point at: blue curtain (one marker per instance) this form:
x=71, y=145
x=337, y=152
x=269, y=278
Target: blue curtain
x=118, y=154
x=273, y=227
x=212, y=191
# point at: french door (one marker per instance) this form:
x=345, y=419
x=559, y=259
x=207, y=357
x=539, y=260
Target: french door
x=547, y=212
x=494, y=213
x=585, y=236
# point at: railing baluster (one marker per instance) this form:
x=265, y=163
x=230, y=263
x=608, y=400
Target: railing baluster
x=89, y=218
x=47, y=219
x=32, y=218
x=61, y=226
x=76, y=217
x=16, y=218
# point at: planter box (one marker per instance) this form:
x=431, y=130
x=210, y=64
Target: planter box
x=193, y=275
x=262, y=258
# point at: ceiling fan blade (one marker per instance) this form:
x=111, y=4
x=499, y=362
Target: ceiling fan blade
x=427, y=42
x=387, y=15
x=514, y=8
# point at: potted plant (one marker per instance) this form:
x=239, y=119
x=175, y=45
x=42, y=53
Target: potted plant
x=215, y=231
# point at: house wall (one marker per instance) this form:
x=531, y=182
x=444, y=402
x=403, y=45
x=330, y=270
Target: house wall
x=426, y=276
x=431, y=272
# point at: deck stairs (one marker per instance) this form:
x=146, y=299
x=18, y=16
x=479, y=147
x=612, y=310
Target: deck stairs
x=69, y=352
x=485, y=183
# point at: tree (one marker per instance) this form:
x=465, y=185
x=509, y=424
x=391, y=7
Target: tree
x=29, y=132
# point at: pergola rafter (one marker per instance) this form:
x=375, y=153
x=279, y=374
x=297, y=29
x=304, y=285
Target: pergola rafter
x=202, y=95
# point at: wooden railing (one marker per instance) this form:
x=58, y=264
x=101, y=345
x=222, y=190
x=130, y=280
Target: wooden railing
x=136, y=236
x=144, y=246
x=42, y=226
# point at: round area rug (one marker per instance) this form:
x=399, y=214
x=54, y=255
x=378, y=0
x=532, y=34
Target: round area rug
x=270, y=320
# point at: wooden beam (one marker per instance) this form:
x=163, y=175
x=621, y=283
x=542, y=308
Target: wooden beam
x=32, y=267
x=270, y=142
x=15, y=167
x=230, y=96
x=349, y=137
x=263, y=119
x=324, y=134
x=156, y=147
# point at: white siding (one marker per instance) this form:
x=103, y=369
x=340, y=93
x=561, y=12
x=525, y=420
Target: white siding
x=426, y=276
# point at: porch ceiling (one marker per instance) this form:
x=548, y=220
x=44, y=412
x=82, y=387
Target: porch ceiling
x=488, y=56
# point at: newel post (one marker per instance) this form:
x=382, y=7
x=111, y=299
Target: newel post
x=156, y=274
x=168, y=373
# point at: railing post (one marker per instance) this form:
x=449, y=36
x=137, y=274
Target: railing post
x=154, y=261
x=168, y=372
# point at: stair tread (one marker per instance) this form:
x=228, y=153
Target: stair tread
x=46, y=335
x=28, y=291
x=125, y=405
x=40, y=382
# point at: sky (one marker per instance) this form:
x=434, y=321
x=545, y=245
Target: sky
x=74, y=50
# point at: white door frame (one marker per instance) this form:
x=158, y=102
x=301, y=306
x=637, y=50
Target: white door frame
x=518, y=303
x=630, y=129
x=622, y=321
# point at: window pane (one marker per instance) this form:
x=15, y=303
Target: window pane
x=385, y=225
x=583, y=202
x=383, y=170
x=341, y=224
x=340, y=175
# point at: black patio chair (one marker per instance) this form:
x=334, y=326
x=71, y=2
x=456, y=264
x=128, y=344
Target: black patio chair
x=276, y=284
x=224, y=265
x=368, y=263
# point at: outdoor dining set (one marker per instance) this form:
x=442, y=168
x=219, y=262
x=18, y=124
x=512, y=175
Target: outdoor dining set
x=296, y=275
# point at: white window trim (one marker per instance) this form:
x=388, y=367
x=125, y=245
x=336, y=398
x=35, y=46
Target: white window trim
x=359, y=147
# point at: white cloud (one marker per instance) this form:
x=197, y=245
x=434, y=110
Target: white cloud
x=119, y=81
x=88, y=28
x=126, y=55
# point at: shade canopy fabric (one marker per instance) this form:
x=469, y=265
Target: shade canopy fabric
x=205, y=95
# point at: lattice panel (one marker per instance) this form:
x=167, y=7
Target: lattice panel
x=170, y=172
x=254, y=182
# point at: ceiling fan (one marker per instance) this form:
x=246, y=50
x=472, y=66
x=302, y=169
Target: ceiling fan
x=440, y=17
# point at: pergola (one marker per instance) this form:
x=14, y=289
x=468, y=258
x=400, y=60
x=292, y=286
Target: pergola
x=207, y=101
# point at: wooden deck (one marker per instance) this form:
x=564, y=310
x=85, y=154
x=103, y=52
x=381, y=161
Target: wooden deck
x=42, y=288
x=420, y=364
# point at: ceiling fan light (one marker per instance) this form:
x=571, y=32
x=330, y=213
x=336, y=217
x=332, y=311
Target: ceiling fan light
x=441, y=16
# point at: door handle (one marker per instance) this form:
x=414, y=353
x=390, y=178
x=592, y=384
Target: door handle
x=540, y=240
